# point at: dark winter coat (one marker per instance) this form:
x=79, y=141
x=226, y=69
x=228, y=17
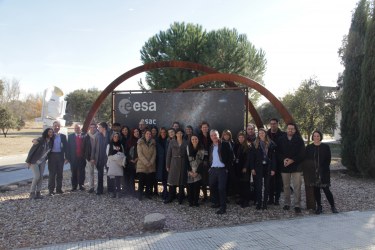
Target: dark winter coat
x=37, y=150
x=316, y=165
x=63, y=145
x=131, y=154
x=269, y=158
x=72, y=147
x=206, y=142
x=244, y=159
x=226, y=154
x=293, y=149
x=100, y=154
x=161, y=156
x=275, y=136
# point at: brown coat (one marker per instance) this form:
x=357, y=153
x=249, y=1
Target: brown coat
x=146, y=156
x=176, y=162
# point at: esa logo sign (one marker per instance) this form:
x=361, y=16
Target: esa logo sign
x=125, y=106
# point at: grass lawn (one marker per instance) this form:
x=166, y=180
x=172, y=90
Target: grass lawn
x=19, y=142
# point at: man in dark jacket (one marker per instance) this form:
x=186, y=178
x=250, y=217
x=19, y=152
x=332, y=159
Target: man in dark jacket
x=76, y=158
x=221, y=157
x=89, y=143
x=56, y=160
x=101, y=155
x=291, y=151
x=276, y=183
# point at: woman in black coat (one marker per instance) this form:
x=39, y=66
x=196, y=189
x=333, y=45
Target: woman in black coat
x=264, y=167
x=318, y=158
x=232, y=184
x=161, y=155
x=195, y=153
x=125, y=135
x=36, y=160
x=131, y=161
x=244, y=153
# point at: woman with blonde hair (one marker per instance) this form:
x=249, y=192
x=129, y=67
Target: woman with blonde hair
x=146, y=164
x=264, y=167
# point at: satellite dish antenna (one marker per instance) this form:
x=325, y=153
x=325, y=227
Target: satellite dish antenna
x=53, y=108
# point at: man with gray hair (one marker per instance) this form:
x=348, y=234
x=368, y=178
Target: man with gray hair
x=56, y=160
x=76, y=158
x=221, y=157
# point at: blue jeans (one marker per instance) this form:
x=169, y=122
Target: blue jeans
x=38, y=170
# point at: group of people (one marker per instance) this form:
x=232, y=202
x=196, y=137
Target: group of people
x=248, y=167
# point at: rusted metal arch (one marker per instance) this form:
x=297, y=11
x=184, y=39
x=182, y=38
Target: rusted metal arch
x=243, y=80
x=148, y=67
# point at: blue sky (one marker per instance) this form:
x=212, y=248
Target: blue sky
x=77, y=44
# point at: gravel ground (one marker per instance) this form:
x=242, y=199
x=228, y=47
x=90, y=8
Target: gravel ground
x=76, y=216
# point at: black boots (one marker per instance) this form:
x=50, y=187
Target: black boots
x=35, y=195
x=319, y=209
x=38, y=195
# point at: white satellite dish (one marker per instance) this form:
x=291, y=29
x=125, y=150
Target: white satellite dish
x=53, y=108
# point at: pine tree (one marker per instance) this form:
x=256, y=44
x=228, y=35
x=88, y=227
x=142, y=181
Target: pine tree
x=365, y=145
x=352, y=55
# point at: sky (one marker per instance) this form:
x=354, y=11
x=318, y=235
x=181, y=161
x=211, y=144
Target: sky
x=81, y=44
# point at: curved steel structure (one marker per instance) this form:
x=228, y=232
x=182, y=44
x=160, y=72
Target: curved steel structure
x=193, y=66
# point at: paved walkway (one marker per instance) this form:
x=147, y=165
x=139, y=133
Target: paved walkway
x=350, y=230
x=13, y=169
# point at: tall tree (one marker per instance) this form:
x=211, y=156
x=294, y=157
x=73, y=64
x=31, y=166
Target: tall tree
x=80, y=101
x=11, y=91
x=267, y=111
x=1, y=87
x=32, y=106
x=352, y=53
x=7, y=120
x=230, y=52
x=313, y=107
x=224, y=50
x=365, y=144
x=183, y=42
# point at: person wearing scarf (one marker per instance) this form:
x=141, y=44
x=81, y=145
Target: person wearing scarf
x=264, y=167
x=116, y=156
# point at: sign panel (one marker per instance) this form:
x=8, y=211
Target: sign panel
x=222, y=109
